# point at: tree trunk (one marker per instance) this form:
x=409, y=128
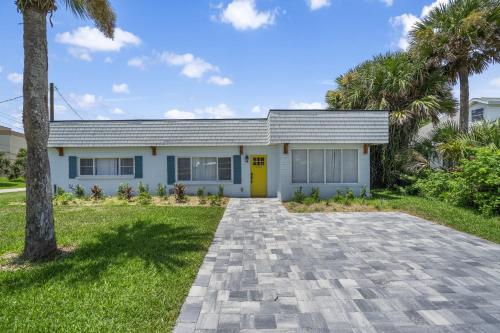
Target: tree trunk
x=463, y=74
x=40, y=238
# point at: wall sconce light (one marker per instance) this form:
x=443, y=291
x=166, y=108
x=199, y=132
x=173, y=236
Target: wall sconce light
x=246, y=158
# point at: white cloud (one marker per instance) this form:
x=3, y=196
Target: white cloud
x=405, y=22
x=192, y=67
x=259, y=111
x=220, y=81
x=244, y=15
x=86, y=101
x=388, y=2
x=15, y=78
x=306, y=106
x=178, y=114
x=495, y=82
x=317, y=4
x=99, y=117
x=108, y=60
x=86, y=40
x=117, y=111
x=120, y=88
x=139, y=62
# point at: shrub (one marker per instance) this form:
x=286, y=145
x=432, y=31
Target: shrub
x=144, y=198
x=59, y=191
x=200, y=193
x=364, y=192
x=161, y=190
x=309, y=201
x=339, y=197
x=96, y=193
x=125, y=192
x=63, y=198
x=79, y=191
x=180, y=192
x=298, y=195
x=315, y=194
x=215, y=200
x=142, y=188
x=349, y=195
x=435, y=184
x=221, y=191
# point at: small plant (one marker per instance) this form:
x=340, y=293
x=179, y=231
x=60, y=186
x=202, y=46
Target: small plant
x=63, y=198
x=215, y=200
x=364, y=192
x=96, y=193
x=59, y=191
x=309, y=201
x=180, y=192
x=161, y=191
x=339, y=197
x=144, y=198
x=200, y=193
x=349, y=195
x=221, y=191
x=125, y=192
x=298, y=196
x=79, y=191
x=142, y=188
x=315, y=194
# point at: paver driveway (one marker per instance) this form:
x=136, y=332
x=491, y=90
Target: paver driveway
x=268, y=269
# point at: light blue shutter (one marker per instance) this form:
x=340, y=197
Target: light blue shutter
x=72, y=167
x=138, y=167
x=170, y=170
x=237, y=169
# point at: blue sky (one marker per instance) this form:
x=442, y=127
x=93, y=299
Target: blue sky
x=210, y=59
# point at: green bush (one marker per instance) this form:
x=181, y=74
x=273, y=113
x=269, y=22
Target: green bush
x=161, y=190
x=310, y=201
x=315, y=194
x=221, y=191
x=79, y=191
x=124, y=191
x=142, y=188
x=144, y=198
x=215, y=200
x=434, y=184
x=59, y=191
x=63, y=198
x=298, y=195
x=200, y=193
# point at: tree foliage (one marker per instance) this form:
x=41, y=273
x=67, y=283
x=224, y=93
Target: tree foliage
x=409, y=89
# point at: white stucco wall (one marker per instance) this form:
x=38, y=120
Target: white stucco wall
x=155, y=169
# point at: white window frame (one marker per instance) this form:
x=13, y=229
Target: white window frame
x=191, y=181
x=106, y=176
x=324, y=167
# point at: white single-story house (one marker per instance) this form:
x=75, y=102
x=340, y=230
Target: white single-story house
x=265, y=157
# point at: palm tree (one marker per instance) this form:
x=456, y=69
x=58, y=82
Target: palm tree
x=408, y=88
x=40, y=238
x=463, y=37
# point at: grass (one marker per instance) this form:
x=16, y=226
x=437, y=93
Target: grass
x=462, y=219
x=16, y=183
x=129, y=269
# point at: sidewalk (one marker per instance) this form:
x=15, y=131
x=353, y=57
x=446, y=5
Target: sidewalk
x=12, y=190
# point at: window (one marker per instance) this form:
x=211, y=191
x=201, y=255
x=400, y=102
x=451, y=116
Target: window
x=299, y=166
x=224, y=168
x=86, y=166
x=106, y=166
x=316, y=166
x=477, y=115
x=204, y=168
x=126, y=166
x=350, y=165
x=184, y=168
x=333, y=165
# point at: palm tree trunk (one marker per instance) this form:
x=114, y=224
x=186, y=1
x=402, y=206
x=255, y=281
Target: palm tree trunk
x=463, y=74
x=40, y=238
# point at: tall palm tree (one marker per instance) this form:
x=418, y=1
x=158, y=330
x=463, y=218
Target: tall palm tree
x=40, y=238
x=463, y=37
x=411, y=91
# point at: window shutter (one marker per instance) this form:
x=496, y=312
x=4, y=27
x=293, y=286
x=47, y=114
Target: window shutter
x=138, y=167
x=72, y=167
x=170, y=170
x=237, y=169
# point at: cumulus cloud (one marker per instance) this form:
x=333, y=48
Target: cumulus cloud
x=220, y=81
x=317, y=4
x=259, y=110
x=86, y=40
x=16, y=78
x=138, y=62
x=120, y=88
x=86, y=101
x=192, y=67
x=244, y=15
x=117, y=111
x=213, y=112
x=306, y=106
x=405, y=22
x=178, y=114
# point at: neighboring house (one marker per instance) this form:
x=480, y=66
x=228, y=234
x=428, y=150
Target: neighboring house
x=11, y=142
x=268, y=157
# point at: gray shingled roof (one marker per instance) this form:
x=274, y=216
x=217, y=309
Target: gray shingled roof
x=281, y=126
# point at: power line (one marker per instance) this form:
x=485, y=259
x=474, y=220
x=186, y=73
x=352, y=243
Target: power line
x=11, y=99
x=67, y=103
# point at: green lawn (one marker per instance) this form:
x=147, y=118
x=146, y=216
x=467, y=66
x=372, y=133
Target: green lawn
x=463, y=219
x=131, y=269
x=6, y=183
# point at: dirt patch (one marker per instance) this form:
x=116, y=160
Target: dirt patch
x=329, y=207
x=14, y=261
x=191, y=201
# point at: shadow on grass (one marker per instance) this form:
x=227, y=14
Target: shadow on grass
x=384, y=194
x=163, y=246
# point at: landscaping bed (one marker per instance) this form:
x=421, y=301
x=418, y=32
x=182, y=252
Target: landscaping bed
x=124, y=266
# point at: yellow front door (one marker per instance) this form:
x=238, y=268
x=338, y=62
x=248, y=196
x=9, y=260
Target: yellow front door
x=258, y=175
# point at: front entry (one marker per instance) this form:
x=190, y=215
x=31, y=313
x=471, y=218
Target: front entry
x=258, y=175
